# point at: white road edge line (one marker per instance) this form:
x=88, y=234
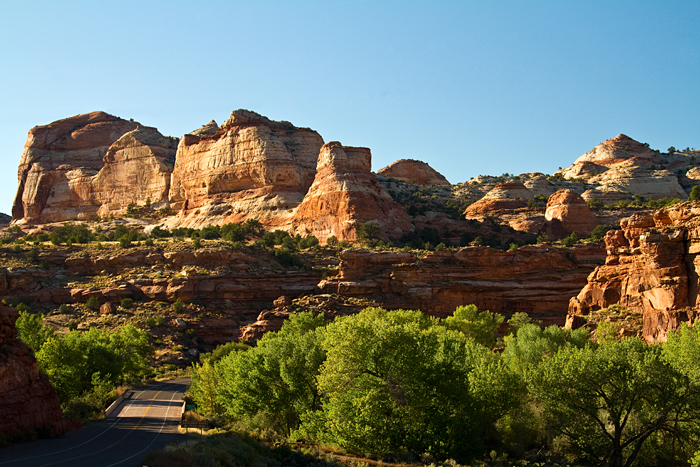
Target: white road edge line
x=81, y=444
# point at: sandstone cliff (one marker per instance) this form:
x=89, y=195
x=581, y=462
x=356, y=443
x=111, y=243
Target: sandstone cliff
x=503, y=197
x=250, y=167
x=414, y=172
x=536, y=280
x=652, y=267
x=88, y=164
x=345, y=195
x=27, y=399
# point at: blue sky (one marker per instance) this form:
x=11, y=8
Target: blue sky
x=471, y=87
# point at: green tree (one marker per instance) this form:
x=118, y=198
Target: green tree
x=277, y=378
x=606, y=402
x=478, y=326
x=531, y=344
x=32, y=331
x=368, y=231
x=396, y=381
x=694, y=194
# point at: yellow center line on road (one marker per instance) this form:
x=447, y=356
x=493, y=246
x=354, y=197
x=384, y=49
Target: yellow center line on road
x=113, y=444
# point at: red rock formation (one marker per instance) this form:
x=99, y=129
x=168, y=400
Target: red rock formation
x=27, y=399
x=536, y=280
x=567, y=209
x=415, y=172
x=345, y=195
x=652, y=267
x=90, y=163
x=502, y=198
x=251, y=167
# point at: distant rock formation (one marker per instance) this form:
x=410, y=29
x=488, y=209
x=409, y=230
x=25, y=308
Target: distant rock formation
x=621, y=167
x=5, y=219
x=567, y=212
x=27, y=399
x=88, y=164
x=250, y=167
x=345, y=195
x=652, y=267
x=412, y=171
x=503, y=197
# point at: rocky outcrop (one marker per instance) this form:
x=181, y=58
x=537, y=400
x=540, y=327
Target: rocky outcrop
x=88, y=164
x=250, y=167
x=345, y=195
x=27, y=399
x=414, y=172
x=503, y=197
x=567, y=212
x=621, y=167
x=652, y=267
x=536, y=280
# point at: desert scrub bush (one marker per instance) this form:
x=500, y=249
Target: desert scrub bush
x=127, y=303
x=93, y=303
x=64, y=309
x=150, y=322
x=178, y=306
x=161, y=320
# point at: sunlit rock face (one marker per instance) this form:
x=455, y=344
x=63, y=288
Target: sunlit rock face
x=344, y=195
x=250, y=167
x=568, y=210
x=91, y=164
x=652, y=267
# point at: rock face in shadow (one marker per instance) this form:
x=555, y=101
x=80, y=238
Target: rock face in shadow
x=27, y=399
x=414, y=172
x=250, y=167
x=536, y=280
x=652, y=267
x=91, y=164
x=344, y=195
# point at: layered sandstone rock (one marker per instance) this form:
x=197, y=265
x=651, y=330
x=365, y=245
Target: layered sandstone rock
x=415, y=172
x=536, y=280
x=344, y=195
x=250, y=167
x=27, y=399
x=88, y=164
x=652, y=267
x=621, y=167
x=503, y=197
x=568, y=210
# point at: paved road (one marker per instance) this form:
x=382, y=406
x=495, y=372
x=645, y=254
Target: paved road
x=146, y=421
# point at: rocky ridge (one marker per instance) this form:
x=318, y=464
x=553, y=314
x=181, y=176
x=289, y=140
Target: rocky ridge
x=413, y=172
x=651, y=268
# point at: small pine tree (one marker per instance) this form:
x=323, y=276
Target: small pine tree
x=694, y=194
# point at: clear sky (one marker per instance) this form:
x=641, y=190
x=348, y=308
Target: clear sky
x=471, y=87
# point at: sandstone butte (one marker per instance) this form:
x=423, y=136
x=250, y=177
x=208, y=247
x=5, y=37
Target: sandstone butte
x=652, y=268
x=414, y=172
x=250, y=167
x=345, y=195
x=28, y=400
x=91, y=164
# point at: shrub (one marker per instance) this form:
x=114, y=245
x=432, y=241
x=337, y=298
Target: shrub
x=127, y=303
x=160, y=320
x=571, y=240
x=73, y=325
x=178, y=306
x=64, y=309
x=196, y=242
x=694, y=194
x=93, y=303
x=332, y=241
x=368, y=231
x=149, y=242
x=22, y=307
x=125, y=241
x=150, y=322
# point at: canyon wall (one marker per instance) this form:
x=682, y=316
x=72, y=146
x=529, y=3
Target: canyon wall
x=652, y=267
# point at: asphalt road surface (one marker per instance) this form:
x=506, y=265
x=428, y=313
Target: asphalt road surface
x=147, y=420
